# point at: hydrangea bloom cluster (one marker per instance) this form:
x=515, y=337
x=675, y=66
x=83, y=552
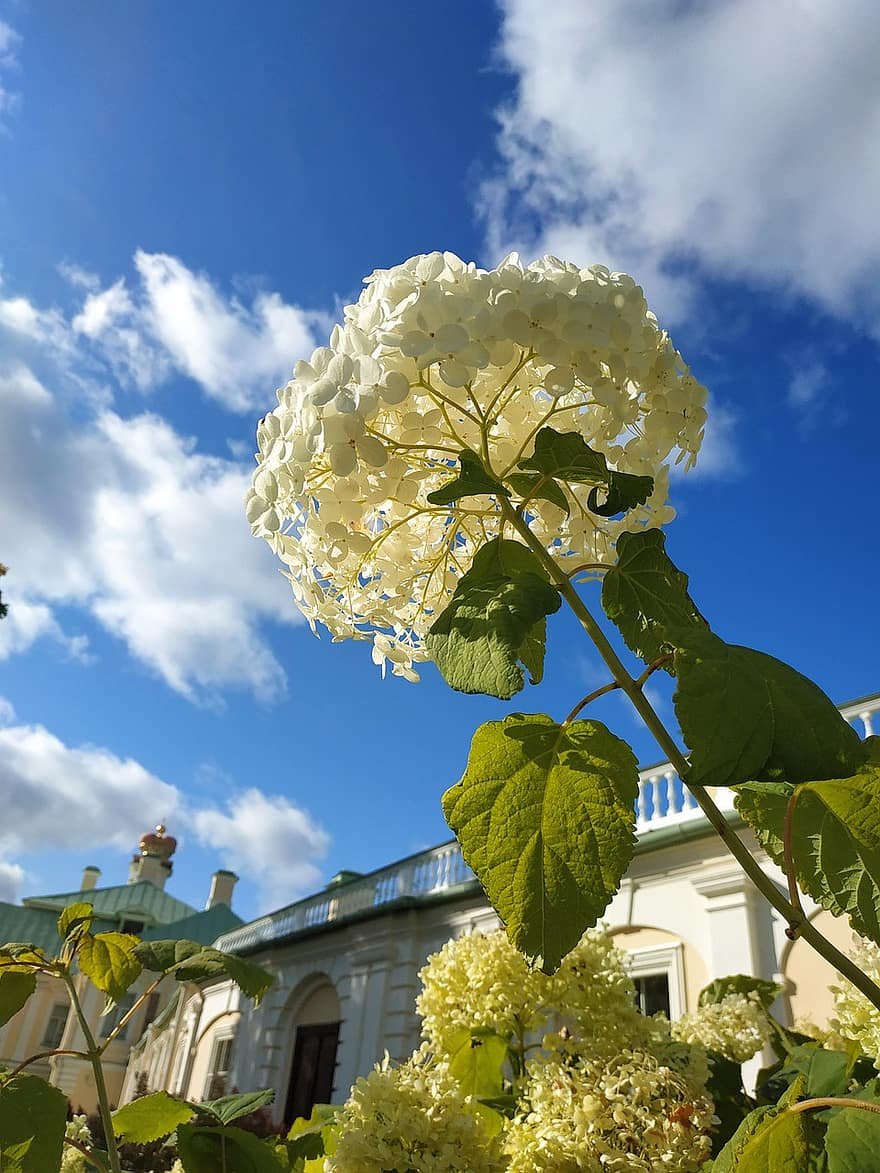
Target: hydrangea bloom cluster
x=479, y=981
x=412, y=1117
x=856, y=1018
x=72, y=1160
x=736, y=1027
x=631, y=1112
x=435, y=357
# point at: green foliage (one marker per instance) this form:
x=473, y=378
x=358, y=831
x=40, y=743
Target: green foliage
x=835, y=840
x=566, y=456
x=740, y=983
x=494, y=622
x=473, y=480
x=476, y=1061
x=209, y=1150
x=229, y=1108
x=545, y=817
x=732, y=1105
x=211, y=963
x=74, y=917
x=109, y=961
x=536, y=485
x=748, y=717
x=15, y=989
x=767, y=1141
x=822, y=1072
x=32, y=1120
x=162, y=956
x=151, y=1117
x=852, y=1138
x=645, y=595
x=188, y=961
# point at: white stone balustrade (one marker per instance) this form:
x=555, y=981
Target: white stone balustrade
x=662, y=802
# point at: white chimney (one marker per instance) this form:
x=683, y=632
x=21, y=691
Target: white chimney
x=222, y=883
x=89, y=878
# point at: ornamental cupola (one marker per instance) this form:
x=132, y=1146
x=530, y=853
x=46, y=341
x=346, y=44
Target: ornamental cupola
x=153, y=861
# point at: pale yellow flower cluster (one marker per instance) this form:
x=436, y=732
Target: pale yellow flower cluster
x=856, y=1018
x=435, y=357
x=630, y=1112
x=736, y=1027
x=72, y=1160
x=483, y=981
x=412, y=1117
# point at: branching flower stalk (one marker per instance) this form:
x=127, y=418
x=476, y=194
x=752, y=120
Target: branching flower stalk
x=94, y=1053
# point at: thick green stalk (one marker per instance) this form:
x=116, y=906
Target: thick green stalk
x=643, y=707
x=94, y=1053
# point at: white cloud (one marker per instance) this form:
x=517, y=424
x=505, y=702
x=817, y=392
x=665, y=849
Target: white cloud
x=807, y=385
x=7, y=711
x=127, y=520
x=173, y=319
x=740, y=136
x=59, y=796
x=11, y=878
x=9, y=43
x=269, y=839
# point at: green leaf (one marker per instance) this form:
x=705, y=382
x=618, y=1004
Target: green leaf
x=852, y=1139
x=75, y=916
x=310, y=1138
x=536, y=485
x=15, y=989
x=748, y=717
x=476, y=1061
x=740, y=983
x=108, y=960
x=32, y=1119
x=494, y=622
x=625, y=491
x=825, y=1073
x=545, y=817
x=162, y=956
x=645, y=595
x=19, y=956
x=732, y=1105
x=209, y=963
x=473, y=480
x=229, y=1108
x=835, y=839
x=209, y=1150
x=767, y=1142
x=151, y=1117
x=566, y=456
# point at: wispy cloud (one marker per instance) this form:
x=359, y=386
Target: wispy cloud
x=9, y=46
x=676, y=140
x=267, y=838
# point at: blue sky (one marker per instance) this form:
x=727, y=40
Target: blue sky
x=184, y=206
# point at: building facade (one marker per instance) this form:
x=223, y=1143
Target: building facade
x=346, y=960
x=142, y=907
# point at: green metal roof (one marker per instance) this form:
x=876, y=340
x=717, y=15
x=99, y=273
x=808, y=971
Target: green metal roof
x=204, y=927
x=36, y=926
x=140, y=901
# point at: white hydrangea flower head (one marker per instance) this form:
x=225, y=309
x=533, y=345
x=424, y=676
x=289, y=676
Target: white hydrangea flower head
x=72, y=1160
x=737, y=1027
x=483, y=981
x=631, y=1113
x=856, y=1018
x=438, y=356
x=412, y=1117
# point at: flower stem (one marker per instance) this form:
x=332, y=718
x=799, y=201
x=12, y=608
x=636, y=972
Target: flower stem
x=665, y=740
x=94, y=1054
x=832, y=1102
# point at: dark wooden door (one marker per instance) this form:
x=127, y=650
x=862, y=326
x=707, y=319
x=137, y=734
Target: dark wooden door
x=314, y=1064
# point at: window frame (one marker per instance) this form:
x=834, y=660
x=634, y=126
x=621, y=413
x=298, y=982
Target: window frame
x=64, y=1009
x=662, y=961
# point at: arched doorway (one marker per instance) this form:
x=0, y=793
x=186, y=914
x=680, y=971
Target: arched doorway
x=316, y=1038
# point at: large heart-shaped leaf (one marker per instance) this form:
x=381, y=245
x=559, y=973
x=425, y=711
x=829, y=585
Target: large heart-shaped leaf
x=109, y=961
x=545, y=817
x=748, y=717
